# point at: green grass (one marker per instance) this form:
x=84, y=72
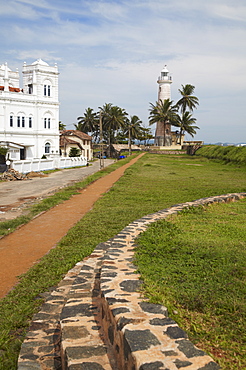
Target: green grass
x=194, y=264
x=6, y=227
x=227, y=154
x=155, y=182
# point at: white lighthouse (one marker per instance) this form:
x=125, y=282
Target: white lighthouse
x=164, y=81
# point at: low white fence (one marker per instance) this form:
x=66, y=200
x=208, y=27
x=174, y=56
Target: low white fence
x=37, y=165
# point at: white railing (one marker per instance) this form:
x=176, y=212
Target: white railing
x=37, y=165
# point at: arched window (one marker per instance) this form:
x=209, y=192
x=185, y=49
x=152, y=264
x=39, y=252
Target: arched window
x=47, y=148
x=47, y=87
x=11, y=120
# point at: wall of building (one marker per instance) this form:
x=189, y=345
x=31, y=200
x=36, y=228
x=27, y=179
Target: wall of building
x=30, y=117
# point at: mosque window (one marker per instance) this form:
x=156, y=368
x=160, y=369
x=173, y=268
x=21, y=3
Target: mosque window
x=47, y=148
x=11, y=121
x=30, y=89
x=47, y=90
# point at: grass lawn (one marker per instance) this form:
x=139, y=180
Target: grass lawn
x=155, y=182
x=194, y=263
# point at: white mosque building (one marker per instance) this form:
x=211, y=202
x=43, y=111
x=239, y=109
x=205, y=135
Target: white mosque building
x=29, y=116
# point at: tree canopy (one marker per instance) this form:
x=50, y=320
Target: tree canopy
x=179, y=114
x=115, y=123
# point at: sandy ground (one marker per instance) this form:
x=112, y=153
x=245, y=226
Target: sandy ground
x=23, y=248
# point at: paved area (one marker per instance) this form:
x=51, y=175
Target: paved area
x=15, y=195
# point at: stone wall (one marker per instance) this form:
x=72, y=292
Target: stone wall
x=97, y=319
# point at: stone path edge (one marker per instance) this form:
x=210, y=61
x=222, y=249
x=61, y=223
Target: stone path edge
x=96, y=318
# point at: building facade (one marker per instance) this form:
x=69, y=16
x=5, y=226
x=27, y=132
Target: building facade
x=29, y=116
x=76, y=139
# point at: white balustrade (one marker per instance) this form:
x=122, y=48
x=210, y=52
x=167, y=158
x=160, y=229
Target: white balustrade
x=37, y=165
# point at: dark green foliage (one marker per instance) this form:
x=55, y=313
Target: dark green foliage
x=233, y=154
x=3, y=151
x=74, y=152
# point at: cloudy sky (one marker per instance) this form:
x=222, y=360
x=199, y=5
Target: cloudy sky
x=112, y=51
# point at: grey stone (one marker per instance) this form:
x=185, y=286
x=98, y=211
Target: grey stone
x=86, y=366
x=86, y=267
x=109, y=267
x=130, y=285
x=85, y=351
x=174, y=332
x=45, y=316
x=29, y=356
x=140, y=339
x=51, y=308
x=117, y=311
x=169, y=353
x=29, y=365
x=152, y=366
x=102, y=246
x=180, y=363
x=74, y=332
x=82, y=309
x=112, y=300
x=210, y=366
x=46, y=349
x=153, y=308
x=189, y=349
x=162, y=322
x=109, y=274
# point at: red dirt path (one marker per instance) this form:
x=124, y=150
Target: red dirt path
x=24, y=247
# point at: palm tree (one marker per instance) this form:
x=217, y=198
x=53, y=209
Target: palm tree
x=163, y=112
x=186, y=124
x=188, y=101
x=113, y=119
x=133, y=129
x=62, y=126
x=88, y=123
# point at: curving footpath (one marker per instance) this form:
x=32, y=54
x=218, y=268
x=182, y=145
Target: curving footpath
x=26, y=245
x=96, y=319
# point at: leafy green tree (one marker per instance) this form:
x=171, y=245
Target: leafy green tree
x=186, y=105
x=74, y=152
x=145, y=135
x=188, y=101
x=132, y=129
x=3, y=151
x=186, y=124
x=113, y=119
x=62, y=126
x=89, y=123
x=164, y=112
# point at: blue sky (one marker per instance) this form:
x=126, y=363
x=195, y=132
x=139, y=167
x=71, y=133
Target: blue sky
x=113, y=52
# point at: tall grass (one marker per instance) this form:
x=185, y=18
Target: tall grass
x=153, y=183
x=233, y=154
